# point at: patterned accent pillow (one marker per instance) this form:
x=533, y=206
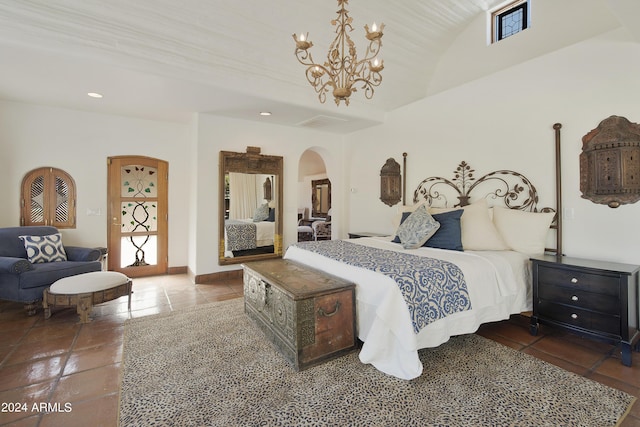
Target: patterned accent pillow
x=448, y=235
x=417, y=228
x=44, y=248
x=261, y=213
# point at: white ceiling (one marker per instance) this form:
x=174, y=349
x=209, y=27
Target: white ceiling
x=165, y=59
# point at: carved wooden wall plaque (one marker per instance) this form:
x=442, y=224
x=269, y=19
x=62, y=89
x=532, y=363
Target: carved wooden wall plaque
x=610, y=163
x=390, y=183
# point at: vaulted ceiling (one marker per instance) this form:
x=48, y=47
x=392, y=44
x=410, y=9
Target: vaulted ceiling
x=165, y=59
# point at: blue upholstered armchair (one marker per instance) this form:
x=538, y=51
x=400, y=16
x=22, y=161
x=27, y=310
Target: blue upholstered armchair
x=24, y=274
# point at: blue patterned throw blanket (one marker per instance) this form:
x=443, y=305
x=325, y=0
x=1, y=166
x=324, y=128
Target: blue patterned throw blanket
x=432, y=288
x=240, y=235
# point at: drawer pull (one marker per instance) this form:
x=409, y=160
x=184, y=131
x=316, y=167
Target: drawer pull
x=574, y=316
x=323, y=313
x=574, y=280
x=574, y=298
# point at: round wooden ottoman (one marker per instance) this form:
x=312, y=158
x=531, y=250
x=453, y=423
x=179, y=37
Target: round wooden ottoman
x=86, y=290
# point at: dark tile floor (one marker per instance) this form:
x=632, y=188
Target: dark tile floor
x=59, y=372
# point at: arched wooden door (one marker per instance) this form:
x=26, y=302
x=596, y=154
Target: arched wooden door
x=137, y=212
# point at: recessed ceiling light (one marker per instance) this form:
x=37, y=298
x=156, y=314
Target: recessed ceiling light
x=95, y=95
x=265, y=113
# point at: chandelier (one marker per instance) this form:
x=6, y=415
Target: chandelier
x=342, y=71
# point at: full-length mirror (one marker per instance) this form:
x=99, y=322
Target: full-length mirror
x=320, y=198
x=250, y=206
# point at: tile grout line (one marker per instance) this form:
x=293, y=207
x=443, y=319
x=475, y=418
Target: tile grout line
x=61, y=373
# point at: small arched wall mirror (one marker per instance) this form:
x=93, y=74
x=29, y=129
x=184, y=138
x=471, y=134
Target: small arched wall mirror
x=250, y=213
x=320, y=198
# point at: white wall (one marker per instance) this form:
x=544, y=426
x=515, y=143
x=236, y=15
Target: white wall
x=554, y=25
x=216, y=134
x=79, y=142
x=504, y=121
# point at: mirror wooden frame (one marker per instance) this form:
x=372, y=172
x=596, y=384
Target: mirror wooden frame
x=251, y=162
x=314, y=198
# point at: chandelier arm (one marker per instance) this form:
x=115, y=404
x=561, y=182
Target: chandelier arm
x=371, y=52
x=316, y=75
x=368, y=85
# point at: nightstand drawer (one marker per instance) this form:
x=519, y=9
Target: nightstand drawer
x=580, y=318
x=577, y=279
x=581, y=299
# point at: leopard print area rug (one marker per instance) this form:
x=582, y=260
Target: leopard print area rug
x=211, y=366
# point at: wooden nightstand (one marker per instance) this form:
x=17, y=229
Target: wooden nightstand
x=596, y=299
x=365, y=234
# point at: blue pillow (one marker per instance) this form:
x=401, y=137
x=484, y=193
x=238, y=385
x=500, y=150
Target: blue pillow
x=272, y=215
x=448, y=235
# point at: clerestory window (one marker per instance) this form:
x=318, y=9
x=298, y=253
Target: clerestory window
x=510, y=19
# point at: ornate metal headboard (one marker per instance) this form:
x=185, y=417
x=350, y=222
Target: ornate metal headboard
x=506, y=187
x=502, y=187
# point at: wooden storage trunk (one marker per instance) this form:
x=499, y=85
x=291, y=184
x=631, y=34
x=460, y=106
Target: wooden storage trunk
x=309, y=315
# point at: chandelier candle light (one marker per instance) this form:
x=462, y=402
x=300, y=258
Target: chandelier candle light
x=342, y=71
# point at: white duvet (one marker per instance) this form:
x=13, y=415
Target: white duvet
x=498, y=285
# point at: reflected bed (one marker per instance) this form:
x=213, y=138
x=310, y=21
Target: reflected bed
x=245, y=234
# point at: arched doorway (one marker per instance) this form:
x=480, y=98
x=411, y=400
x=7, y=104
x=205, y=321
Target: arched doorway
x=314, y=197
x=137, y=233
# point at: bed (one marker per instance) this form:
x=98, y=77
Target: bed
x=416, y=297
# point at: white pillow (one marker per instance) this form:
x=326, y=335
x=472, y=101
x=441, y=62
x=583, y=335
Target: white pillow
x=478, y=231
x=417, y=228
x=524, y=232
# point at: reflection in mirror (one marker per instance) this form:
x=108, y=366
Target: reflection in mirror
x=250, y=209
x=267, y=189
x=320, y=198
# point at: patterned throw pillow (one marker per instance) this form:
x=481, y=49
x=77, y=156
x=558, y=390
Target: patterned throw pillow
x=417, y=228
x=261, y=213
x=44, y=248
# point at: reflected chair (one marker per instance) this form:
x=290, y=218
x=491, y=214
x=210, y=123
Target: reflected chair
x=305, y=232
x=322, y=229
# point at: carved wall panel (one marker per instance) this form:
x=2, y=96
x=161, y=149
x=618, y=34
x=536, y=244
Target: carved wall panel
x=610, y=163
x=390, y=183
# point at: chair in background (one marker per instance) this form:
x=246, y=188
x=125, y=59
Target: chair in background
x=322, y=229
x=305, y=232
